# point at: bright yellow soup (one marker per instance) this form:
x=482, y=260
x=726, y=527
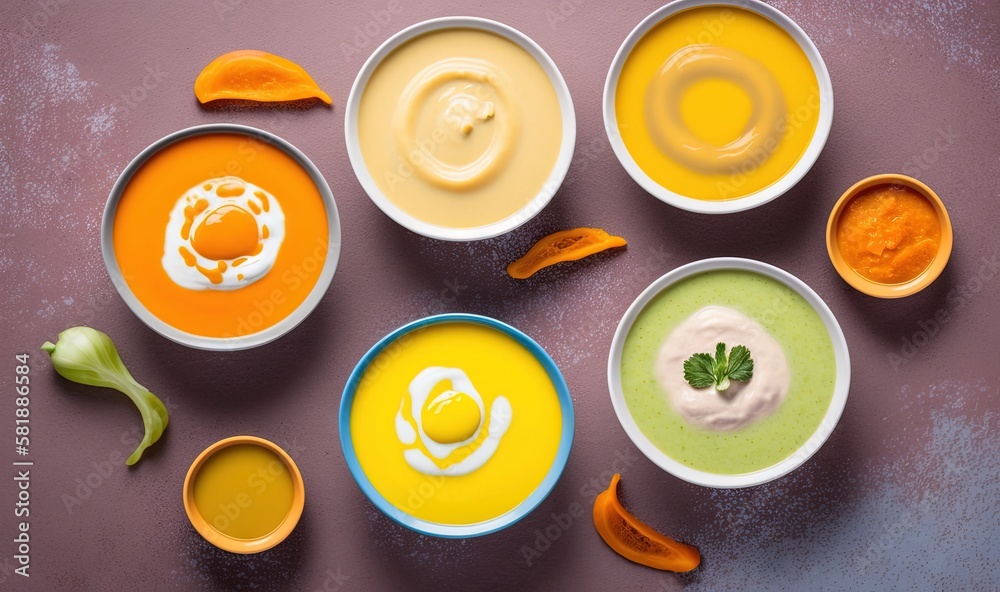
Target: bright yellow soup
x=456, y=423
x=717, y=103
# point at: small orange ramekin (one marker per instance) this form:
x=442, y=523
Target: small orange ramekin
x=244, y=546
x=877, y=289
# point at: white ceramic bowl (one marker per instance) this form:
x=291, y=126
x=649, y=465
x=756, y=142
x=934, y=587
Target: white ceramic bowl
x=516, y=219
x=841, y=386
x=754, y=199
x=222, y=343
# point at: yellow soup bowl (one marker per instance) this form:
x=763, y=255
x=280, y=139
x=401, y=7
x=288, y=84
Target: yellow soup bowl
x=717, y=106
x=456, y=425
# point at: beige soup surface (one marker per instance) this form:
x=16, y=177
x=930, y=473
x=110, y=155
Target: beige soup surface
x=460, y=127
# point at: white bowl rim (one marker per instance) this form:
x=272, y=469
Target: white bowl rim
x=406, y=220
x=240, y=342
x=723, y=481
x=762, y=196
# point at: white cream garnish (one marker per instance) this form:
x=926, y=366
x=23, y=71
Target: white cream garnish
x=743, y=402
x=246, y=226
x=472, y=458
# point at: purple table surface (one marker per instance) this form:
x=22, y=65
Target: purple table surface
x=904, y=495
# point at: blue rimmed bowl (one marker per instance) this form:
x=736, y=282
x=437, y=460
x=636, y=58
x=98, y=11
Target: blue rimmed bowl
x=452, y=530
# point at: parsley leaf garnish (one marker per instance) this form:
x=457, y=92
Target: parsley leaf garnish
x=702, y=370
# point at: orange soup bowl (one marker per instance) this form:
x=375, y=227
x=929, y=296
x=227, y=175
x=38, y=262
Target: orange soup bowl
x=221, y=236
x=244, y=494
x=906, y=225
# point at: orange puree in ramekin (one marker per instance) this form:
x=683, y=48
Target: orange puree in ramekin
x=889, y=236
x=889, y=233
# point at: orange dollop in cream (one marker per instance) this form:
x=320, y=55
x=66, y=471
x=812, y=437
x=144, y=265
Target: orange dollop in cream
x=889, y=233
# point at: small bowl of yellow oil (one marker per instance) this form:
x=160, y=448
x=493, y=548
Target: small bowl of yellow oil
x=244, y=494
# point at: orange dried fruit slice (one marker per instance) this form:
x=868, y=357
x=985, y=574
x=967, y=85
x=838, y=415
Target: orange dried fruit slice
x=252, y=75
x=565, y=245
x=636, y=541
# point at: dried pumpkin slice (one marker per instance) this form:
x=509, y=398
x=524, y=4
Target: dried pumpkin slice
x=636, y=541
x=565, y=245
x=252, y=75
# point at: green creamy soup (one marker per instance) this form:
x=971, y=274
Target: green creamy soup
x=787, y=317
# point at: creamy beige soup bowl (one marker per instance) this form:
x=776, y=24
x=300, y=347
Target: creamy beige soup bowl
x=533, y=205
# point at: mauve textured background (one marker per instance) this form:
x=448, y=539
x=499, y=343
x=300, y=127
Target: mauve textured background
x=903, y=496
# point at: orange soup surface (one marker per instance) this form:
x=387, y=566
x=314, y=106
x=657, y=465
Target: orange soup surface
x=889, y=233
x=239, y=267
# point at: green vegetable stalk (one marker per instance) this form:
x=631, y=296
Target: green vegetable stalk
x=89, y=357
